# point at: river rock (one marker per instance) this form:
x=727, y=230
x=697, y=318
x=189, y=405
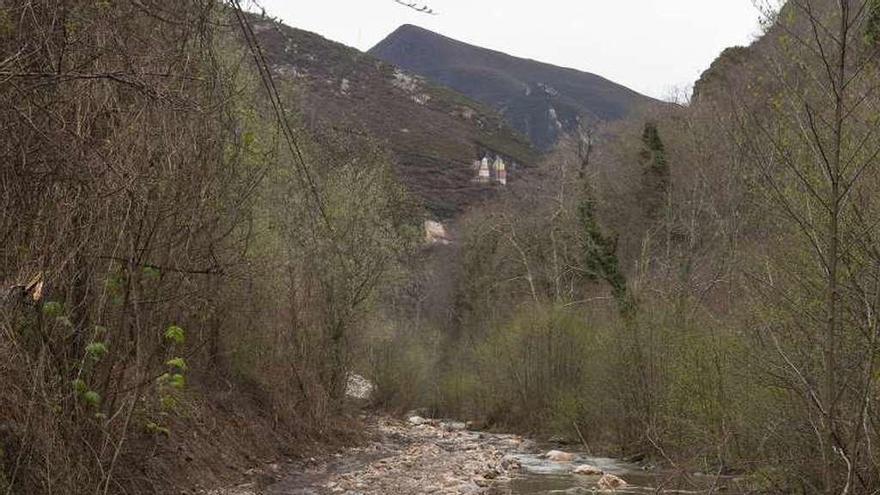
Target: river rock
x=559, y=456
x=588, y=470
x=482, y=482
x=435, y=233
x=510, y=463
x=454, y=426
x=417, y=420
x=610, y=482
x=358, y=387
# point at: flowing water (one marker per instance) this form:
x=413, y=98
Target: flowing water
x=541, y=476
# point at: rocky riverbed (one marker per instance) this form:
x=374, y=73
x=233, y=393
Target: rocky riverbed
x=425, y=456
x=415, y=456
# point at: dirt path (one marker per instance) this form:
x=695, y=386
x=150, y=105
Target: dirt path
x=404, y=458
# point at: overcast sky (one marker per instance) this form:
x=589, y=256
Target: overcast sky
x=651, y=46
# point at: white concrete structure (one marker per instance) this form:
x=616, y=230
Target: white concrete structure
x=500, y=171
x=484, y=175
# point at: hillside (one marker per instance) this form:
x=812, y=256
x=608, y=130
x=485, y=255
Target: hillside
x=540, y=100
x=434, y=133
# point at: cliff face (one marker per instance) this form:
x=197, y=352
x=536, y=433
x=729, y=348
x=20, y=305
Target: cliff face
x=744, y=72
x=540, y=100
x=726, y=70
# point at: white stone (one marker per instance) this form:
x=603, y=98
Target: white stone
x=435, y=233
x=359, y=387
x=588, y=470
x=611, y=482
x=405, y=81
x=559, y=456
x=417, y=420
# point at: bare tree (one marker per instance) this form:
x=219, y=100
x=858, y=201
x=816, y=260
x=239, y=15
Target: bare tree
x=817, y=153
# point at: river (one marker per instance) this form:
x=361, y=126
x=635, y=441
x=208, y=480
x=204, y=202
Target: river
x=540, y=476
x=431, y=457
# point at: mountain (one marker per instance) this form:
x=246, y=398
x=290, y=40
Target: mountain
x=540, y=100
x=740, y=73
x=434, y=133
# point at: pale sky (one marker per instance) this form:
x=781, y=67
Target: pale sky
x=651, y=46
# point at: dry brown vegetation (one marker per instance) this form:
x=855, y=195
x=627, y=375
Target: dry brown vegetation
x=176, y=252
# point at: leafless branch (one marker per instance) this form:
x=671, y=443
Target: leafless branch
x=423, y=9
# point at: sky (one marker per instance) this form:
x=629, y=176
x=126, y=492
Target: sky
x=656, y=47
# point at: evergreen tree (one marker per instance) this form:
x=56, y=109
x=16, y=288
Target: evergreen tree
x=655, y=178
x=599, y=249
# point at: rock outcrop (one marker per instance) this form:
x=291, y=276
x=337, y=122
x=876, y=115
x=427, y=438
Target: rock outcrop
x=611, y=482
x=559, y=456
x=587, y=470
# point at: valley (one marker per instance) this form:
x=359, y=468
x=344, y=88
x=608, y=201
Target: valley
x=240, y=258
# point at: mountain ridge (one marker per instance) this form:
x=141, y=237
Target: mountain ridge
x=541, y=100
